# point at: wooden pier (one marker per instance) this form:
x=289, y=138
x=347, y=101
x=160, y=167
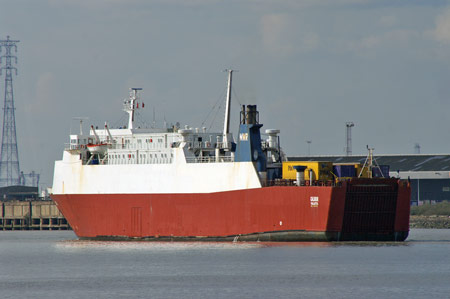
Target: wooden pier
x=31, y=215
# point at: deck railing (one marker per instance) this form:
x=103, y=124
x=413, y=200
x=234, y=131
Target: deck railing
x=211, y=159
x=289, y=182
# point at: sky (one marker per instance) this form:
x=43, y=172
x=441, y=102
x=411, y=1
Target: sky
x=309, y=65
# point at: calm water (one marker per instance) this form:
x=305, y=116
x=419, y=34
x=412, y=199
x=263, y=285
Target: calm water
x=55, y=264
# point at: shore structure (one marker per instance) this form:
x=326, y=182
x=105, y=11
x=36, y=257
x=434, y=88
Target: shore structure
x=31, y=215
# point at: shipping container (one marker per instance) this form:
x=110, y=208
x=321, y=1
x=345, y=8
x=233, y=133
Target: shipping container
x=344, y=171
x=357, y=171
x=384, y=171
x=321, y=170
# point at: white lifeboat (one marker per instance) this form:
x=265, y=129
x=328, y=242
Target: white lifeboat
x=99, y=148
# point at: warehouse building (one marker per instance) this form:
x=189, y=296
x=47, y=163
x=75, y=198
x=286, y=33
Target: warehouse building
x=429, y=174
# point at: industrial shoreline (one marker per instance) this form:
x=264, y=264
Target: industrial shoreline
x=433, y=221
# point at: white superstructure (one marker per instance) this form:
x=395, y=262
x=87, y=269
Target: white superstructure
x=150, y=161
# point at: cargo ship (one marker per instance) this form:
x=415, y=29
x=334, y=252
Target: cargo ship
x=189, y=184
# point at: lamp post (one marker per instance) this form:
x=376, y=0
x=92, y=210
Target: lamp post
x=309, y=146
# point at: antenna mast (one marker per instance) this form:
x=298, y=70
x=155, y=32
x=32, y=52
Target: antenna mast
x=81, y=122
x=9, y=161
x=309, y=146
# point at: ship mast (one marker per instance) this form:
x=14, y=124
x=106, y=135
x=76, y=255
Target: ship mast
x=130, y=106
x=226, y=124
x=370, y=163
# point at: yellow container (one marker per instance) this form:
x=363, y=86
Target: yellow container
x=321, y=170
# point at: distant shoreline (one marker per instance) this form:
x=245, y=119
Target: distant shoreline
x=416, y=221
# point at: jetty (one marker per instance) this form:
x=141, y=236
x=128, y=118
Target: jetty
x=31, y=215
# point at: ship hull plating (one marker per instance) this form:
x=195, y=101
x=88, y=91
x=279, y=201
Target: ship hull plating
x=308, y=213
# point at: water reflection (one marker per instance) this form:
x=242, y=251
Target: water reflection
x=154, y=246
x=416, y=236
x=187, y=246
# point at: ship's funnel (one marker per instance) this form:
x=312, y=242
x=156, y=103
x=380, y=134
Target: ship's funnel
x=249, y=143
x=252, y=117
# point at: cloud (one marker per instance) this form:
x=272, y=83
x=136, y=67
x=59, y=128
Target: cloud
x=101, y=4
x=388, y=21
x=309, y=42
x=274, y=30
x=390, y=38
x=441, y=33
x=290, y=3
x=281, y=35
x=44, y=98
x=310, y=3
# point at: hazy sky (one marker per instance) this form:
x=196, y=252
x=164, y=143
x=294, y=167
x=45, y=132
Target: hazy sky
x=309, y=65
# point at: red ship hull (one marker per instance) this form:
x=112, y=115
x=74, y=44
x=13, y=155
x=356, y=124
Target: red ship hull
x=356, y=210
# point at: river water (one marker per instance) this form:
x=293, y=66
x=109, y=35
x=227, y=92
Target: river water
x=50, y=264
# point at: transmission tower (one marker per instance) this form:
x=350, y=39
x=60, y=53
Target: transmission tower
x=9, y=160
x=348, y=137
